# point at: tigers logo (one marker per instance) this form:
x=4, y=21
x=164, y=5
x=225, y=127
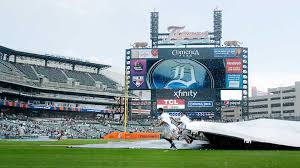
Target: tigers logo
x=179, y=74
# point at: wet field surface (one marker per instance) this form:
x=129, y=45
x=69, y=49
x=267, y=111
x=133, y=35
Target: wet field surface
x=145, y=144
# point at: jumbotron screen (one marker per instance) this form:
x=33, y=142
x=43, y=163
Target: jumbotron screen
x=185, y=68
x=185, y=79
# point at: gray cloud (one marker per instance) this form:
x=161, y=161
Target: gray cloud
x=100, y=30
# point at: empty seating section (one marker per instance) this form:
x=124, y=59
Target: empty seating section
x=27, y=70
x=105, y=80
x=54, y=75
x=6, y=67
x=81, y=77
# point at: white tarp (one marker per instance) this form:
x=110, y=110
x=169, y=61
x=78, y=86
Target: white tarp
x=280, y=132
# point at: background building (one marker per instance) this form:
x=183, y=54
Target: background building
x=281, y=103
x=255, y=92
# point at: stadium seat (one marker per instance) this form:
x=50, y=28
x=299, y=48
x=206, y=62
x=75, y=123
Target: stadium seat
x=6, y=67
x=81, y=77
x=27, y=70
x=105, y=80
x=53, y=74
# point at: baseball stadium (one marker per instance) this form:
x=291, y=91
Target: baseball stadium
x=58, y=111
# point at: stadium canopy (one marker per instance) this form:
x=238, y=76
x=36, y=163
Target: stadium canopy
x=46, y=57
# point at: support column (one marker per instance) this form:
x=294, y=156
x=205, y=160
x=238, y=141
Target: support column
x=7, y=57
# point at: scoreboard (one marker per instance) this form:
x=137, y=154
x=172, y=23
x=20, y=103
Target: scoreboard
x=186, y=79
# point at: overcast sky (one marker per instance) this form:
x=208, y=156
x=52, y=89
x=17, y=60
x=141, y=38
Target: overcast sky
x=100, y=30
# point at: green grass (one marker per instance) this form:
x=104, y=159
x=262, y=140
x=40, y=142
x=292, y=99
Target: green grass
x=15, y=154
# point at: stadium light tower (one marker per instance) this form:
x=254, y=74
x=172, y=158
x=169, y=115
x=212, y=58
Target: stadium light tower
x=154, y=29
x=217, y=26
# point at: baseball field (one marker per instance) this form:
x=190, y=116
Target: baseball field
x=55, y=154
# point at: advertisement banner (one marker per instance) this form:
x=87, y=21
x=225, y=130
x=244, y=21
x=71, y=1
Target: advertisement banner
x=138, y=67
x=227, y=52
x=134, y=135
x=200, y=104
x=191, y=115
x=185, y=53
x=189, y=100
x=234, y=81
x=234, y=65
x=144, y=53
x=231, y=103
x=171, y=103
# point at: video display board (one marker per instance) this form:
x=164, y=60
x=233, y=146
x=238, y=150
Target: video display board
x=197, y=73
x=177, y=74
x=185, y=68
